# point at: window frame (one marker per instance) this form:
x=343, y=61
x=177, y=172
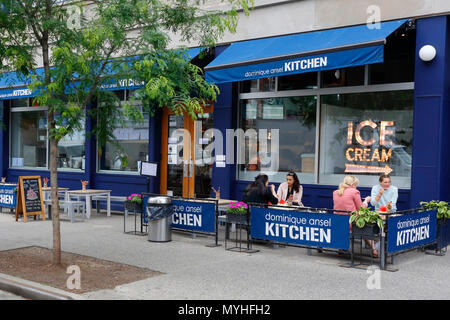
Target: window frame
x=97, y=160
x=319, y=92
x=47, y=165
x=47, y=155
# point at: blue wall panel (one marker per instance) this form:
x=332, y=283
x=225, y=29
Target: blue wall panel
x=225, y=118
x=430, y=173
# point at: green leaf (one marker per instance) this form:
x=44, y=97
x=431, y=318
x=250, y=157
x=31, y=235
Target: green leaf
x=380, y=223
x=360, y=223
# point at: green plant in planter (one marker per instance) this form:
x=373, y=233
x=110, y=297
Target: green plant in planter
x=136, y=198
x=366, y=216
x=237, y=208
x=442, y=208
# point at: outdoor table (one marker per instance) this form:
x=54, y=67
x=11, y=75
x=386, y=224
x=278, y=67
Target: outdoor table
x=88, y=193
x=46, y=192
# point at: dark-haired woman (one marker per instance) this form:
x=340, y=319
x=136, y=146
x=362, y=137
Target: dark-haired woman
x=291, y=190
x=259, y=192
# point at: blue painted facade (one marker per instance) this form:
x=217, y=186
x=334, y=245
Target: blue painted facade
x=431, y=141
x=431, y=138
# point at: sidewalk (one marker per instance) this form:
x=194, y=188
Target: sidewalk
x=8, y=296
x=194, y=271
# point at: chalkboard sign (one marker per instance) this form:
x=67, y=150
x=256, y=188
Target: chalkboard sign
x=29, y=197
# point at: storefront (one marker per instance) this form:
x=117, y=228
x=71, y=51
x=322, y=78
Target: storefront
x=364, y=119
x=350, y=101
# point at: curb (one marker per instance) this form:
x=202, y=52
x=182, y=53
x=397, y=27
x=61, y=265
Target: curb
x=34, y=291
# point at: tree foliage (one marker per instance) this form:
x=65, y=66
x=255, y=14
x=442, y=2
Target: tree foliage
x=95, y=44
x=68, y=52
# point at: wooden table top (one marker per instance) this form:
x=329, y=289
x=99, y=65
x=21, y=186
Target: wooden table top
x=89, y=191
x=49, y=189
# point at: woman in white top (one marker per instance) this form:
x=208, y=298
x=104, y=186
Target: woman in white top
x=291, y=190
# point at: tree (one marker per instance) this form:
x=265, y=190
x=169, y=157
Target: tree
x=86, y=46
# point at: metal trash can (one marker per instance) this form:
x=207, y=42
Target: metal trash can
x=159, y=214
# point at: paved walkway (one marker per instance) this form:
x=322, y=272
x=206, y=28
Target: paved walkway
x=194, y=271
x=9, y=296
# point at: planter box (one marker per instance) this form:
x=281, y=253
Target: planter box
x=133, y=206
x=368, y=230
x=237, y=218
x=442, y=235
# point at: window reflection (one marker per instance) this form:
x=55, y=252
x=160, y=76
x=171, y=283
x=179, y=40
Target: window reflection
x=295, y=118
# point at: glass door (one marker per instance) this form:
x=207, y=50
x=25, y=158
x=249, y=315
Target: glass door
x=186, y=168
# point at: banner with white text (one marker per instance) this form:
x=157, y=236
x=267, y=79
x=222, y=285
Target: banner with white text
x=411, y=231
x=300, y=228
x=194, y=216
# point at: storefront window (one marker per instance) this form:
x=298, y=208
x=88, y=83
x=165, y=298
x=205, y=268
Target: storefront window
x=298, y=81
x=295, y=118
x=71, y=154
x=366, y=135
x=29, y=139
x=132, y=148
x=399, y=56
x=259, y=85
x=343, y=77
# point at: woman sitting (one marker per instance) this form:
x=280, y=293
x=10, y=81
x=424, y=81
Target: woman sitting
x=291, y=190
x=258, y=191
x=348, y=198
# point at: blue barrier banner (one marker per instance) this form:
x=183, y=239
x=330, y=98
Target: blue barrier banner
x=300, y=228
x=8, y=196
x=411, y=231
x=194, y=216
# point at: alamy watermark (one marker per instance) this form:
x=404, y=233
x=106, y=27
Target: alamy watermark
x=374, y=17
x=374, y=280
x=74, y=280
x=250, y=147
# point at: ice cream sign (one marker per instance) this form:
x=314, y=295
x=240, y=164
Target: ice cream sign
x=366, y=151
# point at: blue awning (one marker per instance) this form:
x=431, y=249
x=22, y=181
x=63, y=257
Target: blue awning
x=13, y=87
x=300, y=53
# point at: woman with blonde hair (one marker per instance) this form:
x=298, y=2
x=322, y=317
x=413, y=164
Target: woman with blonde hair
x=348, y=198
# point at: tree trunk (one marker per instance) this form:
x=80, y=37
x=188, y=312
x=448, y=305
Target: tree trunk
x=55, y=202
x=53, y=143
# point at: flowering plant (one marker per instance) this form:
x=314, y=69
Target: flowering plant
x=237, y=208
x=135, y=197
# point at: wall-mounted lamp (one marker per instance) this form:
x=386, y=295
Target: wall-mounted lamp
x=427, y=53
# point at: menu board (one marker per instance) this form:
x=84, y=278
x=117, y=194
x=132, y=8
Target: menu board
x=29, y=197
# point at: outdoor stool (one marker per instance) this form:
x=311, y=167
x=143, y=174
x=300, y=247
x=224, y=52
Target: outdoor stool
x=68, y=207
x=71, y=206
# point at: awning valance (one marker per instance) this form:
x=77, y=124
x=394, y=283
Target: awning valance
x=13, y=87
x=300, y=53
